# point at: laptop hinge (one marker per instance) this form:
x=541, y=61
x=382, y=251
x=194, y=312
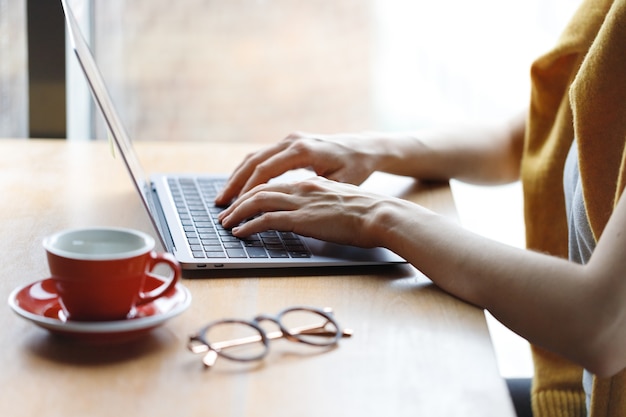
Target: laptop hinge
x=160, y=223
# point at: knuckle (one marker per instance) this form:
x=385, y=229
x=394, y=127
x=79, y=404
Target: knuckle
x=249, y=156
x=301, y=147
x=308, y=186
x=262, y=169
x=261, y=195
x=253, y=157
x=276, y=220
x=261, y=198
x=294, y=136
x=265, y=221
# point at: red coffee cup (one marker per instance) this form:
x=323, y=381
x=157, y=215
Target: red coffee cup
x=100, y=272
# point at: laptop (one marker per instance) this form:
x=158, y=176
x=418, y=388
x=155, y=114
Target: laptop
x=181, y=207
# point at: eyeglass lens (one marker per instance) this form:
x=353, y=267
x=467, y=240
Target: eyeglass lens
x=236, y=340
x=310, y=327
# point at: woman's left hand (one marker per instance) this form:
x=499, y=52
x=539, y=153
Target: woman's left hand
x=317, y=207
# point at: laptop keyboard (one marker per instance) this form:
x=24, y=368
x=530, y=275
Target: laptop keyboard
x=208, y=239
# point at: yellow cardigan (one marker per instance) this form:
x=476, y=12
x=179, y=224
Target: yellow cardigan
x=578, y=90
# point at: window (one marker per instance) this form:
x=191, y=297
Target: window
x=13, y=74
x=255, y=70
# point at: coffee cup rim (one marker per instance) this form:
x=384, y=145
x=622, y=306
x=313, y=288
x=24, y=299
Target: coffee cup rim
x=49, y=247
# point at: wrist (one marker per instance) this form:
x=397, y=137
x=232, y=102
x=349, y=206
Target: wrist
x=390, y=219
x=403, y=154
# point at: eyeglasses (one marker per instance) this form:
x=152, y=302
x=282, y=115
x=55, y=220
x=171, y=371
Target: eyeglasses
x=246, y=340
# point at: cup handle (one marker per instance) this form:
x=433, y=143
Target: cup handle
x=155, y=259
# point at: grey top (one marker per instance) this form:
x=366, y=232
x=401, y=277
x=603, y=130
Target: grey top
x=581, y=241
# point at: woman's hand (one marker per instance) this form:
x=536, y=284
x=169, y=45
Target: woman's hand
x=349, y=158
x=317, y=207
x=480, y=154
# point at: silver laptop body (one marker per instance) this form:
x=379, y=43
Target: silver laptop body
x=190, y=241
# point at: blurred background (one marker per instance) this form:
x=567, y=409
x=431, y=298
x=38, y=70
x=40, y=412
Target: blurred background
x=256, y=70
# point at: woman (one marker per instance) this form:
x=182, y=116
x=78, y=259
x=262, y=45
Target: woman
x=568, y=149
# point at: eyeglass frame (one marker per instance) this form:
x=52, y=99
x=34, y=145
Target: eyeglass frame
x=198, y=343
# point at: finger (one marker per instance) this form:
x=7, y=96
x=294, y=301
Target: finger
x=260, y=200
x=295, y=155
x=286, y=188
x=233, y=206
x=244, y=170
x=276, y=220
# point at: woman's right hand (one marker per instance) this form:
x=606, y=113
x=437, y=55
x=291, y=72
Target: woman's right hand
x=349, y=158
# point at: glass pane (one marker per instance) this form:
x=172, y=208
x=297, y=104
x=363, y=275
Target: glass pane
x=13, y=69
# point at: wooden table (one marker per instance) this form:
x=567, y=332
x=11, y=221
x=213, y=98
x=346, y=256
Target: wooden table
x=416, y=351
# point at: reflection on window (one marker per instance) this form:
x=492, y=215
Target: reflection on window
x=13, y=73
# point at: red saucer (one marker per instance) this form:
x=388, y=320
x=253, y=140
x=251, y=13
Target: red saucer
x=39, y=303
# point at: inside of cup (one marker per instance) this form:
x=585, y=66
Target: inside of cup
x=95, y=243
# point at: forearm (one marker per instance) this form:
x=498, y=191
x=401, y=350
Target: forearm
x=551, y=302
x=484, y=154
